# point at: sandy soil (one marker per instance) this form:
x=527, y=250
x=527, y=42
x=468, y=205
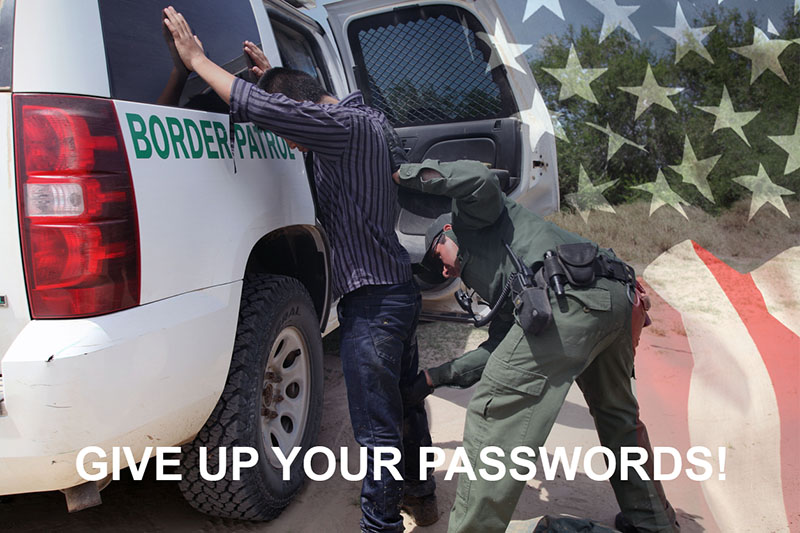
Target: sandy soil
x=333, y=506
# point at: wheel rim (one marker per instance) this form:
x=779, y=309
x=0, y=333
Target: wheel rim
x=286, y=395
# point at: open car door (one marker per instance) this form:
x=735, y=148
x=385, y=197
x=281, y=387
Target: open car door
x=452, y=82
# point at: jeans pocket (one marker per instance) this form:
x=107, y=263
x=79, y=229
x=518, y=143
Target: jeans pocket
x=389, y=334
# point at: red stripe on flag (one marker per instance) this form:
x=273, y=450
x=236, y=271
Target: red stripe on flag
x=780, y=349
x=664, y=365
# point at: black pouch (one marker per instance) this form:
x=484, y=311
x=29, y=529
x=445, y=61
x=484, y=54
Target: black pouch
x=578, y=261
x=533, y=310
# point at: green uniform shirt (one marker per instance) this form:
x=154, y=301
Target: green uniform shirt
x=483, y=218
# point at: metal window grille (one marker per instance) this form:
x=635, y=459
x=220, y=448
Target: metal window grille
x=428, y=71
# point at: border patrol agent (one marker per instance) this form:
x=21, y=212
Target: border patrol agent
x=569, y=322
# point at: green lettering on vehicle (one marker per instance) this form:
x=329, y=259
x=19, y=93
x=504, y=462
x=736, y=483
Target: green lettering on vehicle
x=258, y=132
x=193, y=135
x=141, y=144
x=222, y=139
x=271, y=144
x=283, y=148
x=238, y=131
x=155, y=122
x=251, y=140
x=176, y=135
x=208, y=139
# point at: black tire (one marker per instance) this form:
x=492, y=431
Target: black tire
x=276, y=320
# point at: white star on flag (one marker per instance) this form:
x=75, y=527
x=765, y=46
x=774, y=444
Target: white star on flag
x=499, y=41
x=650, y=92
x=532, y=6
x=727, y=117
x=615, y=140
x=771, y=28
x=615, y=16
x=764, y=54
x=696, y=172
x=558, y=128
x=687, y=39
x=575, y=79
x=790, y=144
x=764, y=191
x=590, y=197
x=663, y=195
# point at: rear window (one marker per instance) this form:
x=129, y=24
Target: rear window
x=299, y=50
x=428, y=65
x=6, y=38
x=139, y=63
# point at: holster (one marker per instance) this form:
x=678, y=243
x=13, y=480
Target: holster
x=532, y=309
x=639, y=317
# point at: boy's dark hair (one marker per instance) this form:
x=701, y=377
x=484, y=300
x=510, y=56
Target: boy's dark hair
x=295, y=84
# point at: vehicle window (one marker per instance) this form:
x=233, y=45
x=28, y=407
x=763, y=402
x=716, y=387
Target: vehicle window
x=299, y=50
x=6, y=38
x=428, y=65
x=139, y=63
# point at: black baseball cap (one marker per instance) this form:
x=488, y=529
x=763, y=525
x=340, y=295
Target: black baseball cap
x=432, y=235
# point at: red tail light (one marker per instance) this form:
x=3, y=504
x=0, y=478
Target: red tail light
x=80, y=236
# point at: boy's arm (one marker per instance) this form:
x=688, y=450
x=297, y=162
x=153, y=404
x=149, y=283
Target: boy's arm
x=324, y=129
x=193, y=57
x=310, y=125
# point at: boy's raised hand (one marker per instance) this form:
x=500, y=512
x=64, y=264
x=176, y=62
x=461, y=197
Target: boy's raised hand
x=186, y=43
x=260, y=61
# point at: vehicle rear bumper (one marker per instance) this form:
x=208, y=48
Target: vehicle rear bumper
x=147, y=376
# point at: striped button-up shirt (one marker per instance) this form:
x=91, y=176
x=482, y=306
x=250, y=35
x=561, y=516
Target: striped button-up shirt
x=352, y=168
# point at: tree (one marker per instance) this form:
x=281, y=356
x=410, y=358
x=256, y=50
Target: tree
x=660, y=131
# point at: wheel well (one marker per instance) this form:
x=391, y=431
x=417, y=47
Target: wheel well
x=298, y=252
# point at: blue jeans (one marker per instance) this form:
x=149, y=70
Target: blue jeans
x=379, y=355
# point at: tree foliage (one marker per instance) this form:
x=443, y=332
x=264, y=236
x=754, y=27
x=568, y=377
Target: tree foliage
x=660, y=130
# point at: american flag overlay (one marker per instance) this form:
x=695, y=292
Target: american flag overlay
x=720, y=368
x=678, y=102
x=693, y=107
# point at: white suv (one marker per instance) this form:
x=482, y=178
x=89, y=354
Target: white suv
x=150, y=294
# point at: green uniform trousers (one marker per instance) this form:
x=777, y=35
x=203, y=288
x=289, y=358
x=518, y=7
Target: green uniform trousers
x=521, y=392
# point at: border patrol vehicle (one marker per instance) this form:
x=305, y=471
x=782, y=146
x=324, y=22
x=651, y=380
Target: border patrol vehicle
x=150, y=295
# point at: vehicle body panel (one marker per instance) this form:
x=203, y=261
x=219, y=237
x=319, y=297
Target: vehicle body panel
x=51, y=40
x=215, y=216
x=147, y=376
x=14, y=315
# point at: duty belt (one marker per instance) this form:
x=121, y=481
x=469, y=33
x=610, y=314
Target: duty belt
x=579, y=264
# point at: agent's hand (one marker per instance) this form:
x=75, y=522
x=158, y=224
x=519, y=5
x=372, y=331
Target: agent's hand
x=187, y=45
x=260, y=61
